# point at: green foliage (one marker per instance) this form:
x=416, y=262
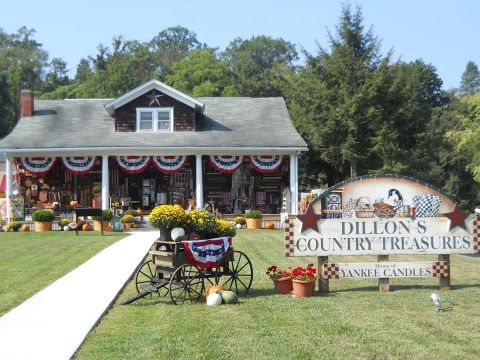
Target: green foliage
x=128, y=219
x=224, y=228
x=43, y=215
x=470, y=82
x=63, y=222
x=240, y=220
x=14, y=225
x=107, y=215
x=131, y=212
x=254, y=214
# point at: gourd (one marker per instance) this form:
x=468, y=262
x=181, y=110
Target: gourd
x=86, y=227
x=25, y=228
x=139, y=212
x=214, y=299
x=73, y=203
x=212, y=289
x=270, y=226
x=177, y=233
x=229, y=297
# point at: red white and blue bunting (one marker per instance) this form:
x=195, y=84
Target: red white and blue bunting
x=133, y=164
x=226, y=164
x=267, y=163
x=37, y=166
x=79, y=165
x=206, y=253
x=169, y=164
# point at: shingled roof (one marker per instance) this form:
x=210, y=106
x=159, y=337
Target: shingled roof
x=226, y=123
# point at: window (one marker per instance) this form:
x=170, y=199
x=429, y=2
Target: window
x=154, y=119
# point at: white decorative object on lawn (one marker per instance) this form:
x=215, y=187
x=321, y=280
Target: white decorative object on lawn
x=214, y=299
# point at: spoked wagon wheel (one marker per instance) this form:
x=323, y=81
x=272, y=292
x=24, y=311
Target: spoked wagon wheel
x=146, y=279
x=186, y=284
x=239, y=275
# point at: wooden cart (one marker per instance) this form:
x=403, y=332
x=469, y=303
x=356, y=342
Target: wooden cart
x=168, y=272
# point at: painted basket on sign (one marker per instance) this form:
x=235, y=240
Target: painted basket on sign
x=363, y=209
x=383, y=210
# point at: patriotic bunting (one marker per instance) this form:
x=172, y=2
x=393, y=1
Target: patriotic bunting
x=206, y=253
x=169, y=164
x=37, y=166
x=79, y=165
x=267, y=163
x=133, y=164
x=226, y=164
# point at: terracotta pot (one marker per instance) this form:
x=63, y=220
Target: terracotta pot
x=97, y=225
x=283, y=286
x=41, y=226
x=303, y=288
x=254, y=223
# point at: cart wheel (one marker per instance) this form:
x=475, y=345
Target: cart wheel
x=186, y=284
x=145, y=278
x=239, y=275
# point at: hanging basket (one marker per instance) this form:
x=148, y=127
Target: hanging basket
x=363, y=209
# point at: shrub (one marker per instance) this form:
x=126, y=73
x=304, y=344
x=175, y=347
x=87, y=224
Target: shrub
x=107, y=215
x=43, y=215
x=128, y=219
x=63, y=222
x=254, y=214
x=167, y=217
x=14, y=225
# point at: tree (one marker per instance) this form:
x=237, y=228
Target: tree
x=202, y=73
x=259, y=63
x=470, y=83
x=57, y=76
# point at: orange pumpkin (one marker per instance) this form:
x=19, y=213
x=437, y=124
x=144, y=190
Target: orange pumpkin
x=74, y=203
x=25, y=228
x=108, y=229
x=213, y=289
x=270, y=226
x=86, y=227
x=139, y=212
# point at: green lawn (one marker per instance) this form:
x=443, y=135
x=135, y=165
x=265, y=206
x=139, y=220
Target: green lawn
x=31, y=261
x=354, y=321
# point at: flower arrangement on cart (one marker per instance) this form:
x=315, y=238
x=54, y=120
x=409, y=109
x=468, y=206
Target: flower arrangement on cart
x=193, y=256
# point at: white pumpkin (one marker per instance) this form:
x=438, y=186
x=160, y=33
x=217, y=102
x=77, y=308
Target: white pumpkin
x=214, y=299
x=239, y=226
x=66, y=228
x=177, y=233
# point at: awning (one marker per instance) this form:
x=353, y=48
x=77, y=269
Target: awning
x=3, y=185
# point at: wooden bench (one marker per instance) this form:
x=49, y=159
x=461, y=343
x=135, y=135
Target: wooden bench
x=88, y=212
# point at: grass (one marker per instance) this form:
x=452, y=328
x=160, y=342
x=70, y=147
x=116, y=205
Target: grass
x=354, y=321
x=31, y=261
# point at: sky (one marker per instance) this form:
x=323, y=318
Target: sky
x=443, y=33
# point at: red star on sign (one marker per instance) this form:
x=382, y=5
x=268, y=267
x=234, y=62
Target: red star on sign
x=457, y=218
x=309, y=220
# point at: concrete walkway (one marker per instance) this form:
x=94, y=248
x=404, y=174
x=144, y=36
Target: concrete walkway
x=53, y=323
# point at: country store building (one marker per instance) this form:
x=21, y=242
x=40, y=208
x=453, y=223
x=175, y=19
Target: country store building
x=155, y=145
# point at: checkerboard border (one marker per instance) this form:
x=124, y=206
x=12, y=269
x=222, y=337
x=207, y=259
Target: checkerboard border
x=440, y=269
x=289, y=244
x=330, y=271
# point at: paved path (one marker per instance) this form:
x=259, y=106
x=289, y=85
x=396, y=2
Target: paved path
x=53, y=323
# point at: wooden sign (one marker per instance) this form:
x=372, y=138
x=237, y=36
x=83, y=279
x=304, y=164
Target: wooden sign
x=384, y=270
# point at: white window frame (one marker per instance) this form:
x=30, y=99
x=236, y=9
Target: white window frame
x=154, y=112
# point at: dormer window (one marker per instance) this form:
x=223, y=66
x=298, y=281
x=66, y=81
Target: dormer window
x=155, y=119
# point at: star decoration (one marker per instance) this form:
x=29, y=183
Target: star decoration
x=153, y=98
x=309, y=220
x=457, y=218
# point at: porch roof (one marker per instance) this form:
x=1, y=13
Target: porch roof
x=229, y=125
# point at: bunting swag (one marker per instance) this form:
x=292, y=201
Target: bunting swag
x=79, y=165
x=169, y=164
x=226, y=164
x=37, y=166
x=206, y=253
x=267, y=163
x=133, y=164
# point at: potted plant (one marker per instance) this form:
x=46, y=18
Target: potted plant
x=62, y=223
x=224, y=228
x=128, y=220
x=43, y=219
x=254, y=219
x=107, y=217
x=167, y=217
x=14, y=225
x=303, y=280
x=282, y=279
x=240, y=221
x=202, y=223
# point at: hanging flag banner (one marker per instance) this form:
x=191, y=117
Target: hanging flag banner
x=226, y=164
x=133, y=164
x=267, y=163
x=206, y=253
x=79, y=165
x=169, y=164
x=37, y=166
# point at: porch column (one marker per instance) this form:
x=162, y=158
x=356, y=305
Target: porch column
x=9, y=189
x=198, y=182
x=105, y=183
x=294, y=184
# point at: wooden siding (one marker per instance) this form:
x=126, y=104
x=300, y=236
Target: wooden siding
x=126, y=115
